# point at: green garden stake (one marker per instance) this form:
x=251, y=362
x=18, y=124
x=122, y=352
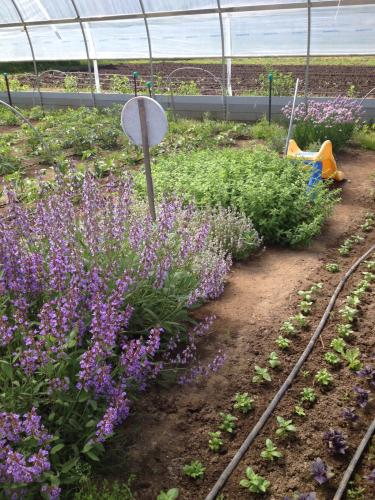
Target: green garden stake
x=135, y=76
x=149, y=85
x=270, y=79
x=8, y=89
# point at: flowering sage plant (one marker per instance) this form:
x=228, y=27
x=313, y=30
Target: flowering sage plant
x=95, y=301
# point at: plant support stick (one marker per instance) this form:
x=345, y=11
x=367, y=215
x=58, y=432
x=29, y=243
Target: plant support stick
x=146, y=154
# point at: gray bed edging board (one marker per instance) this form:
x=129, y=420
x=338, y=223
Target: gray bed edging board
x=242, y=108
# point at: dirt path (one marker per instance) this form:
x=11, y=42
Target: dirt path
x=170, y=426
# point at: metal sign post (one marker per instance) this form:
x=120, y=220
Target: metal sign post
x=145, y=123
x=135, y=76
x=270, y=78
x=8, y=88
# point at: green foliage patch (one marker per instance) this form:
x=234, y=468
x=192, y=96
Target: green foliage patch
x=268, y=189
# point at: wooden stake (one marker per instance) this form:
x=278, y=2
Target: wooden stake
x=146, y=154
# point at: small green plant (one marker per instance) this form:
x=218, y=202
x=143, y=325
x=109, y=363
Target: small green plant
x=333, y=267
x=195, y=469
x=305, y=306
x=282, y=342
x=243, y=402
x=71, y=83
x=370, y=264
x=345, y=331
x=254, y=483
x=338, y=344
x=353, y=358
x=355, y=492
x=348, y=313
x=369, y=277
x=346, y=247
x=188, y=88
x=300, y=320
x=273, y=360
x=215, y=442
x=305, y=295
x=120, y=84
x=261, y=375
x=171, y=494
x=270, y=451
x=288, y=328
x=323, y=377
x=285, y=427
x=305, y=373
x=316, y=288
x=228, y=423
x=353, y=300
x=300, y=411
x=332, y=358
x=308, y=395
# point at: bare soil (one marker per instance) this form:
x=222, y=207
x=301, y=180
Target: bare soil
x=323, y=80
x=170, y=425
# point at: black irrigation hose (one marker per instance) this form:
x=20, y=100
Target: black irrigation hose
x=288, y=382
x=353, y=463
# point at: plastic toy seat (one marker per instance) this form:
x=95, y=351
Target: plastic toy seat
x=324, y=157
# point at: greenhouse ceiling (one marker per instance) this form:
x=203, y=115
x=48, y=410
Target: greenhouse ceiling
x=129, y=29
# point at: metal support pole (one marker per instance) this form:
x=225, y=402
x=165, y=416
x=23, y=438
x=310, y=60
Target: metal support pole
x=307, y=67
x=270, y=78
x=96, y=75
x=291, y=118
x=31, y=49
x=7, y=87
x=149, y=46
x=223, y=72
x=228, y=52
x=86, y=49
x=146, y=154
x=135, y=76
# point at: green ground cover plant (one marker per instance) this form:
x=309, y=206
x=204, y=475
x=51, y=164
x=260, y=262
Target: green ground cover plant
x=268, y=189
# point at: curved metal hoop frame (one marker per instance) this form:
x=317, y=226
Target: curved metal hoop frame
x=26, y=120
x=184, y=68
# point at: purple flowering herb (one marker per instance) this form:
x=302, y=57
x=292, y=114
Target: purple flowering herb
x=349, y=415
x=320, y=471
x=336, y=442
x=371, y=477
x=362, y=398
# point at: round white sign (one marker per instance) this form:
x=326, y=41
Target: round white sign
x=156, y=120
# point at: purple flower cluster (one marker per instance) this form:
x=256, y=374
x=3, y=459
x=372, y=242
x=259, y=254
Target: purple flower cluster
x=86, y=285
x=17, y=465
x=336, y=112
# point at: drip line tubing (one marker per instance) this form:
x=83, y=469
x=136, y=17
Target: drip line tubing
x=353, y=463
x=288, y=382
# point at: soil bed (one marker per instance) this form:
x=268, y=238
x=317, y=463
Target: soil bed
x=170, y=425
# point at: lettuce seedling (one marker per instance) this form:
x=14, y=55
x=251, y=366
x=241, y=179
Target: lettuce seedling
x=288, y=328
x=316, y=288
x=370, y=264
x=306, y=295
x=308, y=395
x=300, y=320
x=332, y=358
x=273, y=360
x=261, y=375
x=285, y=427
x=243, y=402
x=353, y=358
x=215, y=442
x=323, y=377
x=338, y=345
x=305, y=306
x=195, y=469
x=335, y=442
x=282, y=342
x=333, y=267
x=320, y=471
x=299, y=410
x=229, y=422
x=353, y=300
x=348, y=314
x=270, y=451
x=345, y=331
x=369, y=277
x=254, y=483
x=171, y=494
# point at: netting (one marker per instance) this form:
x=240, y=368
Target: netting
x=117, y=29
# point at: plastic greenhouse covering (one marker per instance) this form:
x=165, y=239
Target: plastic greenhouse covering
x=127, y=29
